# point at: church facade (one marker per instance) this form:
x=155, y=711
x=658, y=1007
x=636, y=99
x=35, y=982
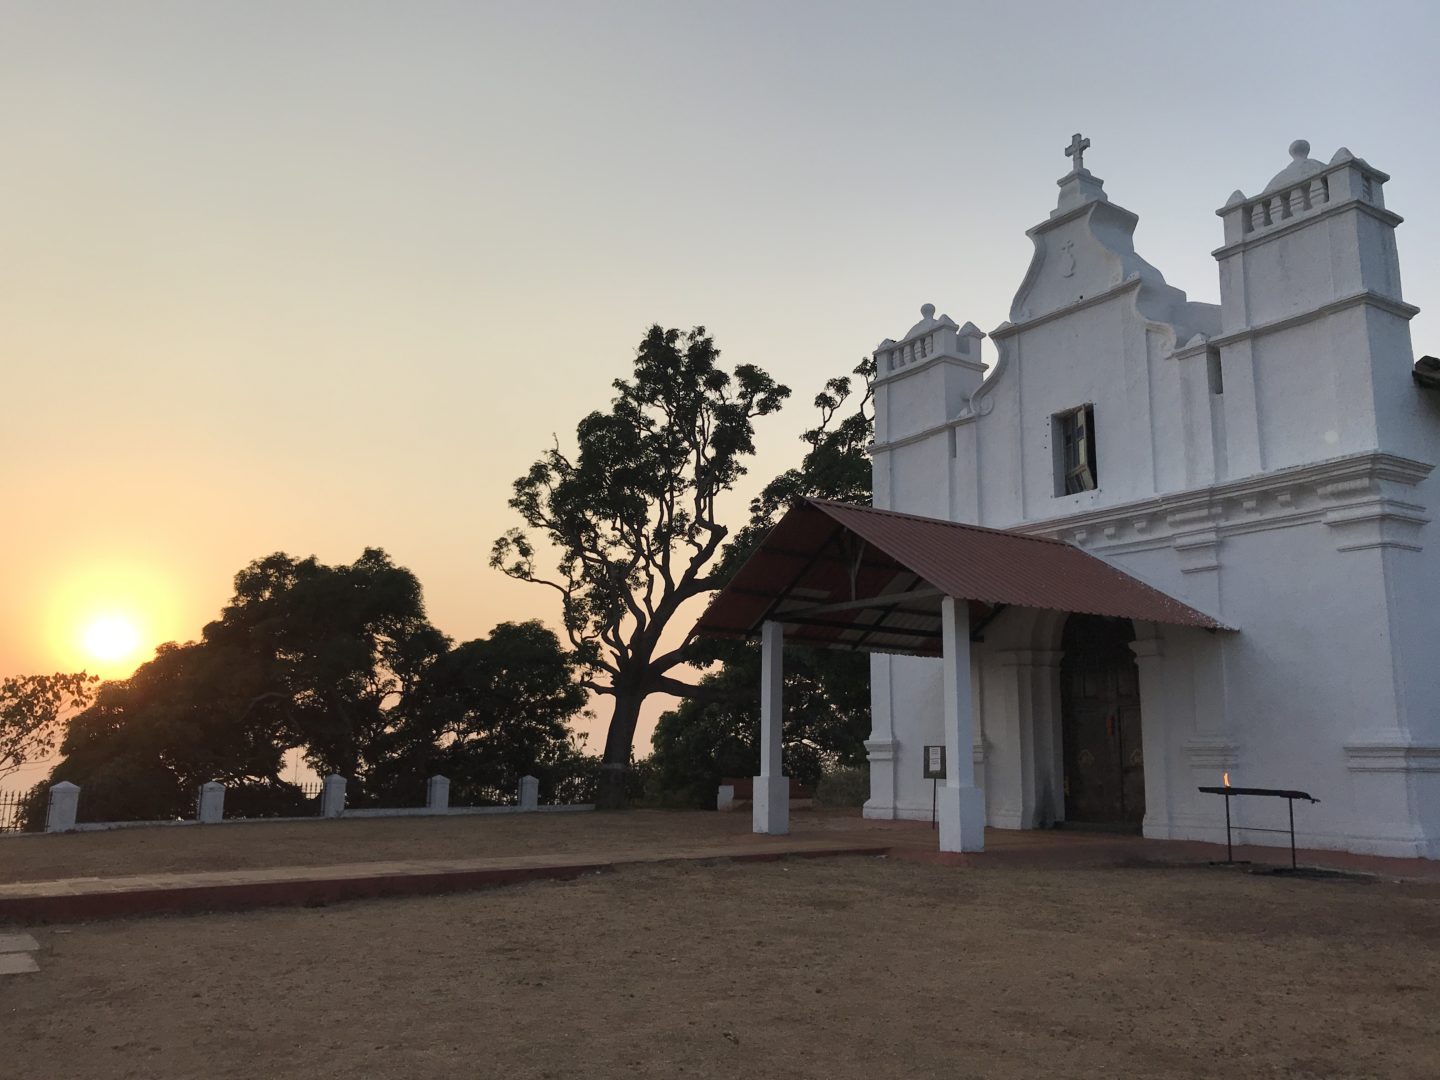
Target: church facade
x=1267, y=460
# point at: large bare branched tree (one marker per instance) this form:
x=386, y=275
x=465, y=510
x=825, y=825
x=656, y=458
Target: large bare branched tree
x=632, y=514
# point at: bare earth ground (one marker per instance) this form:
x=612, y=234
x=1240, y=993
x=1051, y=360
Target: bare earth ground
x=837, y=968
x=330, y=843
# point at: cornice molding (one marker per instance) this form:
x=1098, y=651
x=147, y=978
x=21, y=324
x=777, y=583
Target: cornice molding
x=1212, y=753
x=925, y=365
x=918, y=436
x=1368, y=296
x=1391, y=755
x=1389, y=217
x=1010, y=329
x=1356, y=490
x=1147, y=649
x=880, y=750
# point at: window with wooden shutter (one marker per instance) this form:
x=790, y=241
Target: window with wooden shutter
x=1074, y=432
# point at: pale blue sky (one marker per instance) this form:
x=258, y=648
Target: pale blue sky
x=314, y=276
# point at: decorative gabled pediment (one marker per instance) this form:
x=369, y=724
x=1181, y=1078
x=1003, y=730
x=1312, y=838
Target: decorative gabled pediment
x=1085, y=249
x=1073, y=260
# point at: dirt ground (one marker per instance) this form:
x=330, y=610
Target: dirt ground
x=329, y=843
x=836, y=968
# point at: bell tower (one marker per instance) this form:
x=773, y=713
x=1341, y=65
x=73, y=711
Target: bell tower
x=1314, y=349
x=921, y=381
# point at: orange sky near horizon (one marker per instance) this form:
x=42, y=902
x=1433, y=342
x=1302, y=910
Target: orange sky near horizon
x=311, y=278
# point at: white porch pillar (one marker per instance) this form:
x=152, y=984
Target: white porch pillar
x=771, y=806
x=962, y=804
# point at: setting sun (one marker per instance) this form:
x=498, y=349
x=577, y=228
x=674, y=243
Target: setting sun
x=106, y=615
x=111, y=638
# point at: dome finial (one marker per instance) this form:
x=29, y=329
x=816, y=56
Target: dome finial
x=1299, y=149
x=927, y=311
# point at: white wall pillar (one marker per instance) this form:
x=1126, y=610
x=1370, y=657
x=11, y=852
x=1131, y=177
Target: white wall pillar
x=962, y=804
x=1149, y=653
x=437, y=793
x=881, y=746
x=771, y=806
x=332, y=796
x=1049, y=742
x=1024, y=787
x=64, y=803
x=529, y=793
x=210, y=807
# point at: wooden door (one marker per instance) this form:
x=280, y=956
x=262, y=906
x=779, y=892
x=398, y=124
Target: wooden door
x=1100, y=718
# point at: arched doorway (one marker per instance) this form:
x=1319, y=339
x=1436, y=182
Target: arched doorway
x=1104, y=759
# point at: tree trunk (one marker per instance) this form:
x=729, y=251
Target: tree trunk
x=619, y=742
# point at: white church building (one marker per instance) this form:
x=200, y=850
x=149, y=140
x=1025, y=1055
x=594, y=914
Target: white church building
x=1207, y=554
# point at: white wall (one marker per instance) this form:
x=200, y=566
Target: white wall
x=1293, y=506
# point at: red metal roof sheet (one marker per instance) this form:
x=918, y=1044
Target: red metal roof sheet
x=824, y=553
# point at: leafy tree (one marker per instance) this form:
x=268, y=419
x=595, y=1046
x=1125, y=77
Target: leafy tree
x=30, y=710
x=195, y=713
x=488, y=712
x=341, y=661
x=339, y=646
x=632, y=515
x=827, y=692
x=827, y=719
x=836, y=464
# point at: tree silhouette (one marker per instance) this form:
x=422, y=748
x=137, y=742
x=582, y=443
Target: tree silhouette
x=30, y=710
x=632, y=515
x=827, y=692
x=339, y=661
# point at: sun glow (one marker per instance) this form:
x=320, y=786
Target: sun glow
x=112, y=638
x=108, y=618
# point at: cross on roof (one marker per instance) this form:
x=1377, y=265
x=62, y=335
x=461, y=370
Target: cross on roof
x=1077, y=149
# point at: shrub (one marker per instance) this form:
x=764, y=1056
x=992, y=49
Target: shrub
x=845, y=785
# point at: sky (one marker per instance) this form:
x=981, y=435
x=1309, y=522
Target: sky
x=313, y=276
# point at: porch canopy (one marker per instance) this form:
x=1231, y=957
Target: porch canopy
x=838, y=576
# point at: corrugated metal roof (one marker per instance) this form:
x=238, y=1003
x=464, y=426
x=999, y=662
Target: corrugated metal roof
x=893, y=568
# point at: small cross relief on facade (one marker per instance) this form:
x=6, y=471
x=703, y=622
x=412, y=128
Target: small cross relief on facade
x=1067, y=259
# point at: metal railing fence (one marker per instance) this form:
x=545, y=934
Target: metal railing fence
x=11, y=803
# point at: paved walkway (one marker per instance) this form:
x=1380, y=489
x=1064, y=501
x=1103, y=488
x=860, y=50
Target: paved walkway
x=1062, y=848
x=814, y=836
x=16, y=954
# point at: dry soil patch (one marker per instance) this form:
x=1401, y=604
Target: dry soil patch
x=256, y=845
x=841, y=969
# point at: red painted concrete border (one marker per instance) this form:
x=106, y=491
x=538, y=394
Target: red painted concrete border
x=184, y=898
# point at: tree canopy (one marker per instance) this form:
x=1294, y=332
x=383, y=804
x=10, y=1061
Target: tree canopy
x=338, y=647
x=30, y=710
x=827, y=693
x=632, y=516
x=342, y=663
x=192, y=714
x=488, y=712
x=827, y=720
